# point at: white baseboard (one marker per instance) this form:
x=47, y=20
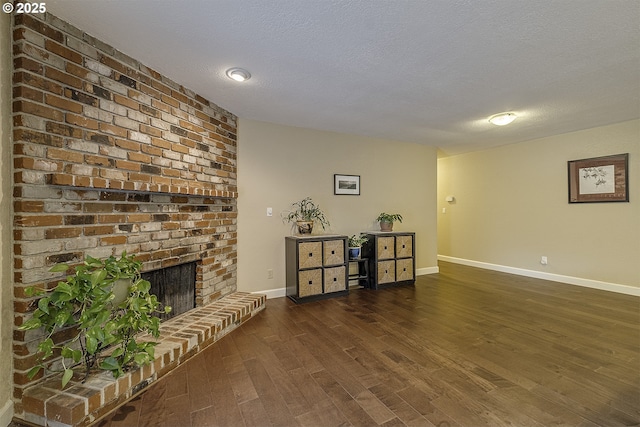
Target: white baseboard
x=578, y=281
x=273, y=293
x=427, y=270
x=282, y=292
x=6, y=413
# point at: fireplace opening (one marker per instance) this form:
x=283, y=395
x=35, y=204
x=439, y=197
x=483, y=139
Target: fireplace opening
x=174, y=286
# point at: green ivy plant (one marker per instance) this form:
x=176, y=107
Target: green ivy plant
x=306, y=210
x=390, y=218
x=356, y=241
x=105, y=333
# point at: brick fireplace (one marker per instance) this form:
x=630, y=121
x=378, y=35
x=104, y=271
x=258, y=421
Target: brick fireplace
x=109, y=156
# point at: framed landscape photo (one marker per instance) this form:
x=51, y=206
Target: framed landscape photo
x=346, y=184
x=599, y=179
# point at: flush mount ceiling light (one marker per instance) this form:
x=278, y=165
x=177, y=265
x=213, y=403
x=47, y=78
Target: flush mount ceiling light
x=502, y=119
x=238, y=74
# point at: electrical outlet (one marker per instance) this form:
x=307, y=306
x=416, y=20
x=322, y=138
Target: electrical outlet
x=269, y=273
x=543, y=260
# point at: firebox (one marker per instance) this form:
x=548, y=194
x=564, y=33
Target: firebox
x=174, y=286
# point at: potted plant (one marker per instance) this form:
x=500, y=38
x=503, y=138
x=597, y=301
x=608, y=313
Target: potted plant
x=355, y=245
x=386, y=221
x=104, y=329
x=305, y=213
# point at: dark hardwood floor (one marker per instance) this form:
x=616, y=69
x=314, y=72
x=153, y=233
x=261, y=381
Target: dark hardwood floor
x=465, y=347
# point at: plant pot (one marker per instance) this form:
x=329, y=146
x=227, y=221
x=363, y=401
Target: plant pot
x=354, y=253
x=386, y=226
x=305, y=227
x=120, y=290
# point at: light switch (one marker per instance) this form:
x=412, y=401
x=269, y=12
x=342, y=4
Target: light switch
x=269, y=211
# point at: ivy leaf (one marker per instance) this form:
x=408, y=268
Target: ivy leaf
x=63, y=296
x=110, y=364
x=150, y=349
x=117, y=352
x=64, y=288
x=31, y=291
x=132, y=346
x=45, y=347
x=109, y=339
x=68, y=373
x=109, y=327
x=33, y=371
x=102, y=317
x=141, y=358
x=66, y=352
x=98, y=276
x=100, y=335
x=61, y=318
x=92, y=262
x=43, y=304
x=92, y=345
x=144, y=286
x=32, y=323
x=59, y=268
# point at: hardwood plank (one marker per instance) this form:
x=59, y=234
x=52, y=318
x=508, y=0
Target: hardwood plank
x=276, y=408
x=174, y=413
x=205, y=417
x=199, y=388
x=402, y=410
x=334, y=360
x=374, y=407
x=304, y=356
x=236, y=373
x=254, y=414
x=227, y=391
x=154, y=408
x=355, y=414
x=422, y=403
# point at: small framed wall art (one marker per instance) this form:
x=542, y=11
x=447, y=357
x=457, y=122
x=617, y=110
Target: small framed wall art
x=346, y=184
x=599, y=179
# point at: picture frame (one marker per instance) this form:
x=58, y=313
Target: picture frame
x=599, y=179
x=346, y=184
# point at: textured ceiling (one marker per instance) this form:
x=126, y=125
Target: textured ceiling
x=425, y=71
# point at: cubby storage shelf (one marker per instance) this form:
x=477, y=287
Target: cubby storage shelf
x=316, y=267
x=391, y=258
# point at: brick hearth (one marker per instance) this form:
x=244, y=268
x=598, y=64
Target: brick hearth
x=182, y=337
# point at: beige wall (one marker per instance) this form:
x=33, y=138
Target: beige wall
x=6, y=284
x=279, y=165
x=511, y=208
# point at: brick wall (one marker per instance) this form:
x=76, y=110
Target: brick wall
x=109, y=155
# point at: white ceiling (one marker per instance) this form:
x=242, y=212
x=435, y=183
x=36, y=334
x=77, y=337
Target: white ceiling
x=425, y=71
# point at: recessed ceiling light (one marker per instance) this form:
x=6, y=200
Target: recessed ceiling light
x=502, y=119
x=238, y=74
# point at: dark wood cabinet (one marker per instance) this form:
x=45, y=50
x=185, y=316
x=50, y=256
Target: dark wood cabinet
x=316, y=267
x=391, y=258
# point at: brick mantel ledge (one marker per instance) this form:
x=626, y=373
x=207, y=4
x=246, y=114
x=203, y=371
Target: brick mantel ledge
x=64, y=180
x=81, y=404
